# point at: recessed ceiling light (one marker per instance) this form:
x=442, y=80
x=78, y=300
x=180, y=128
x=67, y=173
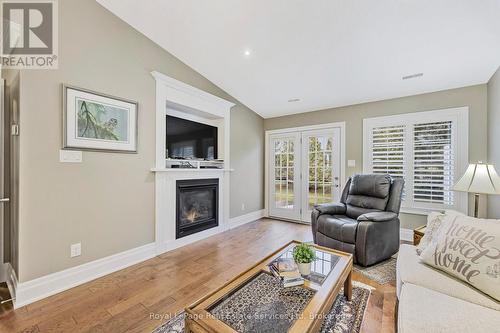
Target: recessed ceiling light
x=247, y=53
x=293, y=100
x=413, y=76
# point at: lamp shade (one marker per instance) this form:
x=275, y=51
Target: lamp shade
x=479, y=178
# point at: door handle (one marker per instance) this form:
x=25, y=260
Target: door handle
x=5, y=200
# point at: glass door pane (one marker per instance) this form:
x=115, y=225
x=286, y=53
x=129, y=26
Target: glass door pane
x=321, y=168
x=284, y=176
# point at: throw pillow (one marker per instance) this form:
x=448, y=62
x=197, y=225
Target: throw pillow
x=469, y=249
x=434, y=221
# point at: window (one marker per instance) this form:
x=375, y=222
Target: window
x=428, y=149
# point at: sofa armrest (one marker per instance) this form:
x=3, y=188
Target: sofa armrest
x=335, y=208
x=377, y=217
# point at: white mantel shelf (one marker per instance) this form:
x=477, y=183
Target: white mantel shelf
x=189, y=170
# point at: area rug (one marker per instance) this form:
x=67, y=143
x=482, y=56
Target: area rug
x=381, y=273
x=344, y=317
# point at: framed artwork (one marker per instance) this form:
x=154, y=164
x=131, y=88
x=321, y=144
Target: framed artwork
x=98, y=122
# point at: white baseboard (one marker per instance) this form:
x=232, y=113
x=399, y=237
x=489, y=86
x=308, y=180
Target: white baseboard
x=406, y=234
x=11, y=280
x=243, y=219
x=34, y=290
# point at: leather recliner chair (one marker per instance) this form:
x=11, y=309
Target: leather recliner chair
x=366, y=220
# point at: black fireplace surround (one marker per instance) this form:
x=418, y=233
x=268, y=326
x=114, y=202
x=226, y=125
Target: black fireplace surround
x=197, y=206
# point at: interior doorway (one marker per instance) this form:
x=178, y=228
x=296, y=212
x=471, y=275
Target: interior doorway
x=9, y=175
x=4, y=186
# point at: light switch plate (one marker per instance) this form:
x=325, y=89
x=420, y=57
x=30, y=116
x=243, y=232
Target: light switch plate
x=70, y=156
x=351, y=163
x=76, y=250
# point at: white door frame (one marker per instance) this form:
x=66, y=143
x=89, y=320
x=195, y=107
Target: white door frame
x=268, y=133
x=304, y=166
x=3, y=267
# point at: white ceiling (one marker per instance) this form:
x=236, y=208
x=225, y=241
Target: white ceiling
x=328, y=53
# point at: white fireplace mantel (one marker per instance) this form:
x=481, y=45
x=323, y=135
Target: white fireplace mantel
x=182, y=100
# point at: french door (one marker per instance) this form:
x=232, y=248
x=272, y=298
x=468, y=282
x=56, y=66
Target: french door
x=304, y=170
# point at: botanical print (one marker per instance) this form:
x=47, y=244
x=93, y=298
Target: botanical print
x=101, y=121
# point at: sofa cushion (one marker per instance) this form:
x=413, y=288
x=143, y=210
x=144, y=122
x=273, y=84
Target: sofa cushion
x=338, y=227
x=335, y=244
x=468, y=249
x=354, y=212
x=425, y=310
x=371, y=185
x=411, y=270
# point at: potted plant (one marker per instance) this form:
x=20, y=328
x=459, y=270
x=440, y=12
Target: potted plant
x=304, y=255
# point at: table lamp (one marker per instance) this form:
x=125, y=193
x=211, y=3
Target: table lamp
x=479, y=178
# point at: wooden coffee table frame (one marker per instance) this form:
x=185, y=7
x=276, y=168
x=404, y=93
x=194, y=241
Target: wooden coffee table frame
x=198, y=319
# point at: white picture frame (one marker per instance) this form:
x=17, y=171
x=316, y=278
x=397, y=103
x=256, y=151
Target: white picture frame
x=98, y=122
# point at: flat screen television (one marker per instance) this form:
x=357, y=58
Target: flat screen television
x=189, y=139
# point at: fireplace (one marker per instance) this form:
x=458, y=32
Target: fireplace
x=197, y=206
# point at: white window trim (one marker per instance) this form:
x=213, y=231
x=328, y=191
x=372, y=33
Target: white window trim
x=459, y=115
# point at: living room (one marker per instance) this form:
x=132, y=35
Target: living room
x=164, y=155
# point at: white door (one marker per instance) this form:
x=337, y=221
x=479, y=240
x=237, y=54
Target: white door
x=304, y=170
x=3, y=200
x=284, y=176
x=321, y=166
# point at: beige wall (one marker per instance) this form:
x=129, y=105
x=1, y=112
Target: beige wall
x=474, y=97
x=247, y=160
x=106, y=202
x=494, y=138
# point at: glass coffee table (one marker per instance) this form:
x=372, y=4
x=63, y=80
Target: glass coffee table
x=256, y=301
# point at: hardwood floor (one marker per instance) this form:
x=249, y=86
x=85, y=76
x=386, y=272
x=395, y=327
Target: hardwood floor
x=141, y=297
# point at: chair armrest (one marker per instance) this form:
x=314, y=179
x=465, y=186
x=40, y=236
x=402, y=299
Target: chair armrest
x=334, y=208
x=377, y=217
x=376, y=240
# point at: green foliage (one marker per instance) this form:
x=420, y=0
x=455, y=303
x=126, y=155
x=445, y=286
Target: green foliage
x=90, y=126
x=303, y=254
x=319, y=165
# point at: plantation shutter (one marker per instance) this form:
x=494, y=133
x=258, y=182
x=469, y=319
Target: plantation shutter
x=388, y=150
x=427, y=149
x=433, y=163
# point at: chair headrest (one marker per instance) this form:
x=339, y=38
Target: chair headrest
x=371, y=185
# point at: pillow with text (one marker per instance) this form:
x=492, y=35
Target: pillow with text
x=468, y=249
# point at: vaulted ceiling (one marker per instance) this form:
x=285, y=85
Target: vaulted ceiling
x=288, y=56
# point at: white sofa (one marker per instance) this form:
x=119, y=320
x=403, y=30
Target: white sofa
x=432, y=301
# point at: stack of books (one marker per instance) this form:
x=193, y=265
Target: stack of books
x=286, y=270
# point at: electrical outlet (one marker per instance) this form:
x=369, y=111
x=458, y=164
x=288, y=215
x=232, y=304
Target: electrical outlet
x=351, y=163
x=242, y=206
x=76, y=250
